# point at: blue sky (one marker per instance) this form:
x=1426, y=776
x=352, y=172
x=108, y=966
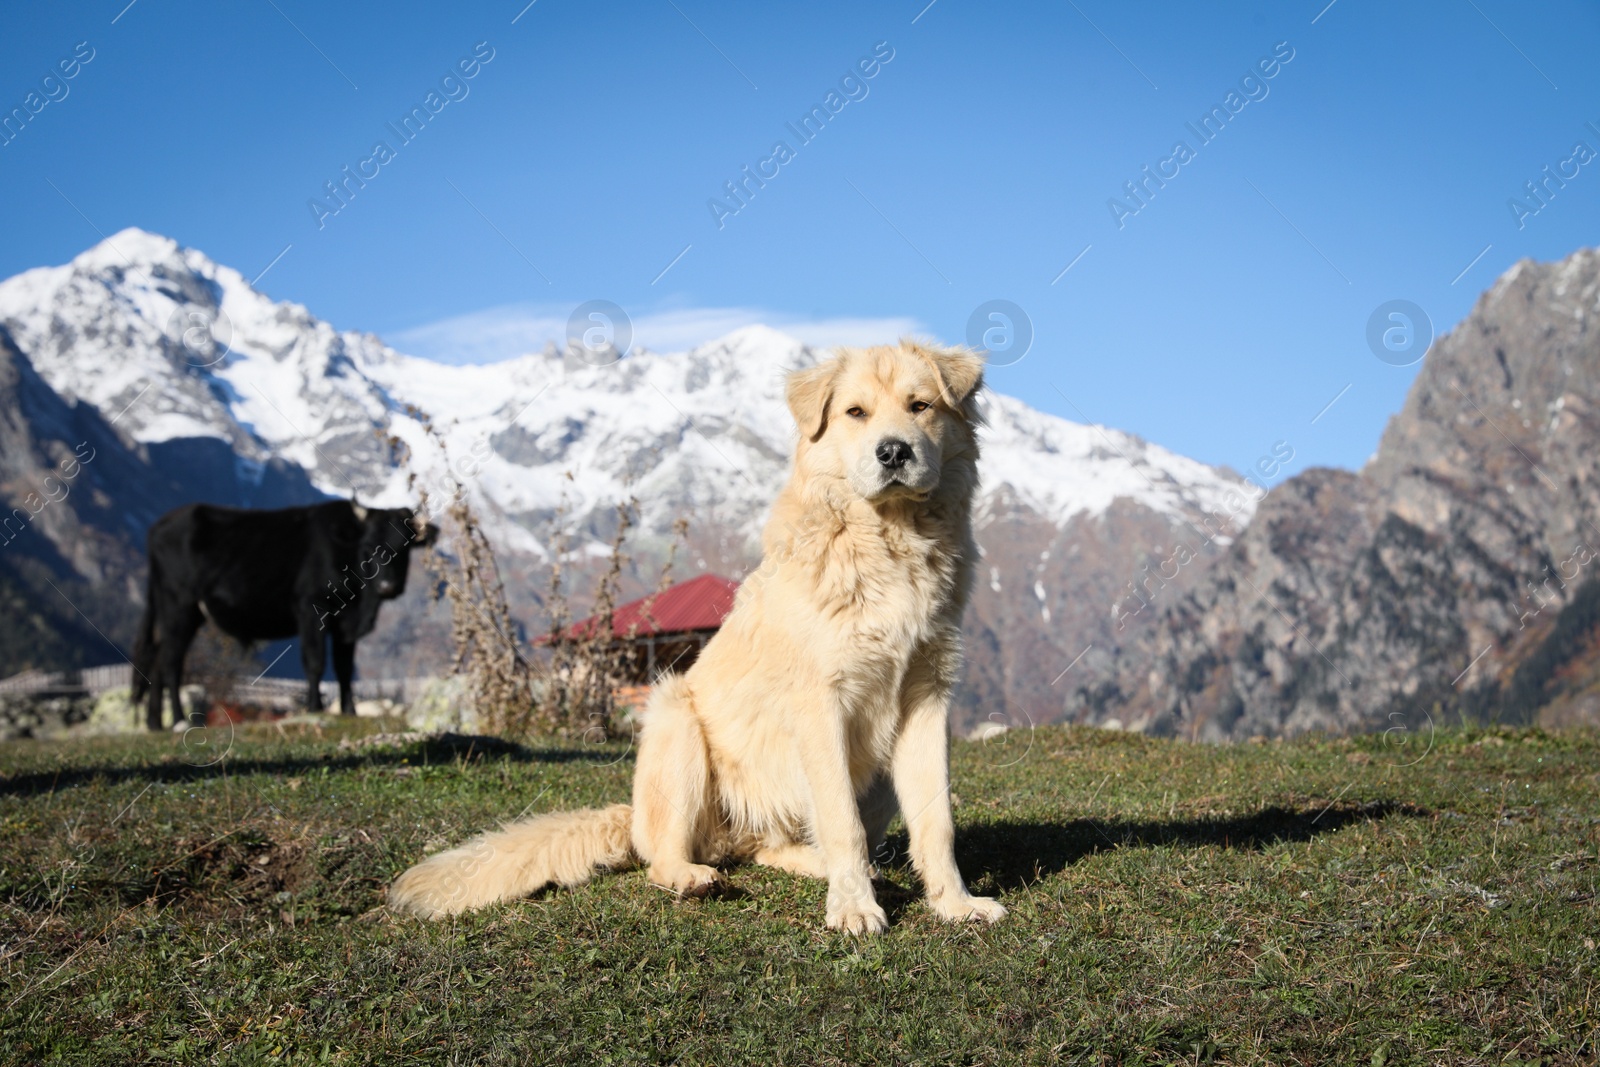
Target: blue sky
x=976, y=164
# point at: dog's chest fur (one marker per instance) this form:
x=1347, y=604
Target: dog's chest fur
x=891, y=576
x=886, y=582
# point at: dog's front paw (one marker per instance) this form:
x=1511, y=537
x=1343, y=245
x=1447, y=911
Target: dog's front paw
x=852, y=907
x=857, y=917
x=688, y=879
x=965, y=908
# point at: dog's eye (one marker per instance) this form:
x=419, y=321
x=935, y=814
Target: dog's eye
x=856, y=413
x=919, y=406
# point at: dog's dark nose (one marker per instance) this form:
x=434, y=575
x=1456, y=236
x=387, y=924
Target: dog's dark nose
x=893, y=453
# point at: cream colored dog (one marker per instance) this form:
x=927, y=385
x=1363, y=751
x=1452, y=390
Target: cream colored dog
x=822, y=701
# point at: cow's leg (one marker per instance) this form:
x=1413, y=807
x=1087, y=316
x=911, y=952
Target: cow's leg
x=344, y=669
x=152, y=698
x=146, y=651
x=313, y=657
x=185, y=622
x=149, y=667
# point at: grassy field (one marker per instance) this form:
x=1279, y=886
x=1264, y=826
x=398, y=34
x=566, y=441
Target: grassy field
x=1401, y=898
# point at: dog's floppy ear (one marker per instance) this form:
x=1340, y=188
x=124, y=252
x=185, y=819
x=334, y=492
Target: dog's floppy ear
x=809, y=392
x=960, y=372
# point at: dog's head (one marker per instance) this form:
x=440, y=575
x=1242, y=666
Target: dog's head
x=887, y=421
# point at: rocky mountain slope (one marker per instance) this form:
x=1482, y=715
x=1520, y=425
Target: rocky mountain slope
x=78, y=499
x=206, y=389
x=1454, y=575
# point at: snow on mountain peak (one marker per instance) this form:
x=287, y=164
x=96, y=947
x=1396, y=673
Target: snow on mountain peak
x=759, y=340
x=132, y=246
x=172, y=345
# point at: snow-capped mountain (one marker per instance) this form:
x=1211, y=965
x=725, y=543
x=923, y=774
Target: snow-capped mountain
x=183, y=347
x=143, y=375
x=174, y=349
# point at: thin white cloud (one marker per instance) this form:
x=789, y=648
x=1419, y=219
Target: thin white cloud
x=486, y=336
x=510, y=330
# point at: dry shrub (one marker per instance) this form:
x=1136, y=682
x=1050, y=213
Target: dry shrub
x=564, y=686
x=584, y=665
x=487, y=648
x=581, y=665
x=488, y=651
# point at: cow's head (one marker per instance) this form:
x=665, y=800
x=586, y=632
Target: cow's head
x=387, y=537
x=371, y=553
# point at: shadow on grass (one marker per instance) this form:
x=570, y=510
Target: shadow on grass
x=449, y=748
x=1011, y=855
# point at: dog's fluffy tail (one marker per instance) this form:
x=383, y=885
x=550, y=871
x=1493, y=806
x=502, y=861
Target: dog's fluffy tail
x=564, y=848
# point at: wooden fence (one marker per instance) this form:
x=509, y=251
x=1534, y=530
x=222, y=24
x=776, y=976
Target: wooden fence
x=274, y=692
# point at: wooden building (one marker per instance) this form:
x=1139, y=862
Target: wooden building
x=663, y=633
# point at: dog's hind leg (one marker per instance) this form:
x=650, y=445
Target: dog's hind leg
x=804, y=860
x=672, y=803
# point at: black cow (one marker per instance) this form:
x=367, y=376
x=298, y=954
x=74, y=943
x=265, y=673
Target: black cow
x=315, y=573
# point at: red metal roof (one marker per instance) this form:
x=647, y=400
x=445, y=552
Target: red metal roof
x=697, y=604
